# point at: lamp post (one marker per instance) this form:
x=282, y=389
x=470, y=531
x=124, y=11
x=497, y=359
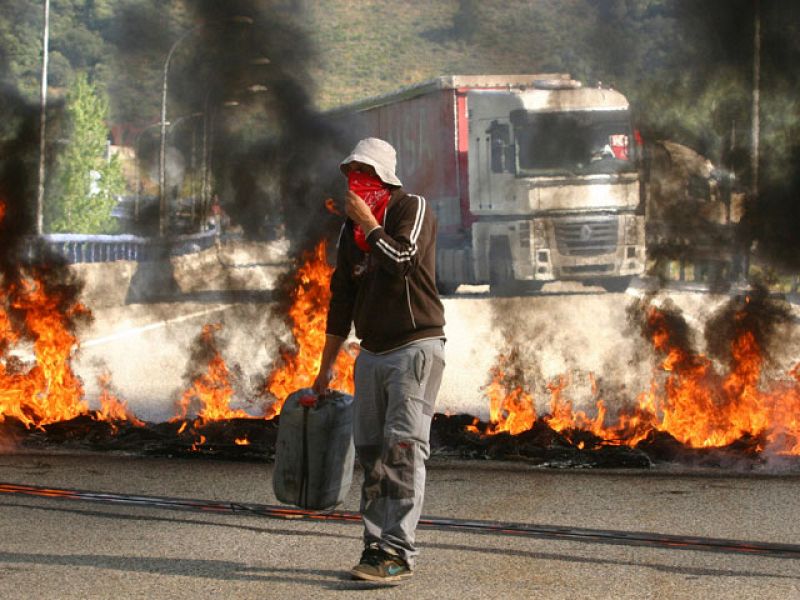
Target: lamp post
x=756, y=134
x=162, y=198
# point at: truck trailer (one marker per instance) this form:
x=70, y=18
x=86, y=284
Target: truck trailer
x=533, y=178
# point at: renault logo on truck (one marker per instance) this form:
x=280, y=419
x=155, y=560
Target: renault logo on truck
x=586, y=233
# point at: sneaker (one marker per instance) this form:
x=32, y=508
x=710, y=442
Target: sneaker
x=378, y=565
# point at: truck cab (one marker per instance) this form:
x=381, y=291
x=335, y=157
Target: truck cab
x=554, y=186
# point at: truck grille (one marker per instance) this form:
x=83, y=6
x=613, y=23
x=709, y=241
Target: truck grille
x=587, y=269
x=586, y=238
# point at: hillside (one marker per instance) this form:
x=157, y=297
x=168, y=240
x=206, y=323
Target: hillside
x=374, y=46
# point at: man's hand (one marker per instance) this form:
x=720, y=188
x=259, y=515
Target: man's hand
x=329, y=352
x=357, y=209
x=322, y=382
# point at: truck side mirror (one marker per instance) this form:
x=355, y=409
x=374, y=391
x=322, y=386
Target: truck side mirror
x=504, y=153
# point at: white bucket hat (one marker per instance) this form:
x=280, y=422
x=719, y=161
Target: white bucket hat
x=378, y=154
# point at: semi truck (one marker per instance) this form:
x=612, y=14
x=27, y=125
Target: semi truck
x=533, y=178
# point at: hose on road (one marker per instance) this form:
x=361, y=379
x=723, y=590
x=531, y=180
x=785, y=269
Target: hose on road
x=634, y=538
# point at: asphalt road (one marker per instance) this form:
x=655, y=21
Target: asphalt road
x=67, y=549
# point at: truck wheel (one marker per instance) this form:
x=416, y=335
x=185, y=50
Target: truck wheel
x=616, y=284
x=501, y=272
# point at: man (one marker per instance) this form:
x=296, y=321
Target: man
x=385, y=283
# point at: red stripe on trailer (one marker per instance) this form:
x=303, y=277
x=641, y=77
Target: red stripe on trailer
x=462, y=148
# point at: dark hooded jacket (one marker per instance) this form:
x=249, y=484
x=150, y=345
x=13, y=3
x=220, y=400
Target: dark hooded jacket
x=390, y=292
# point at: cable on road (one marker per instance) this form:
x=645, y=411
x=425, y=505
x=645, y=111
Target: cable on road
x=635, y=538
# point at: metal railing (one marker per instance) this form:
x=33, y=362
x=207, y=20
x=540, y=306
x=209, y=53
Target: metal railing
x=78, y=248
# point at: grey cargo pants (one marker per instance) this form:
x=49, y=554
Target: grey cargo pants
x=395, y=395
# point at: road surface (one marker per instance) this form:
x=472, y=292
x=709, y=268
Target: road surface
x=68, y=549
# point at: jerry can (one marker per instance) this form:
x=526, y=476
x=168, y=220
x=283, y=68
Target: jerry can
x=314, y=453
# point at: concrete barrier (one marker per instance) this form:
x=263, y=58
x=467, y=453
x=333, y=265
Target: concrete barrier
x=105, y=284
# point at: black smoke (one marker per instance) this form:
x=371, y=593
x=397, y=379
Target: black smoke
x=726, y=32
x=243, y=66
x=756, y=313
x=25, y=264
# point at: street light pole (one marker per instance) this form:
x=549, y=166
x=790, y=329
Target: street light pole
x=162, y=158
x=43, y=122
x=755, y=159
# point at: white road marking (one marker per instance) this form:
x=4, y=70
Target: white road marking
x=125, y=333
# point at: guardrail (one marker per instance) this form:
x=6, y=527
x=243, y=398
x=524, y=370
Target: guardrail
x=77, y=248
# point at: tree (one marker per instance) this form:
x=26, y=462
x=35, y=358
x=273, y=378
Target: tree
x=83, y=188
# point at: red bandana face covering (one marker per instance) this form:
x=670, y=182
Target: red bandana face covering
x=375, y=193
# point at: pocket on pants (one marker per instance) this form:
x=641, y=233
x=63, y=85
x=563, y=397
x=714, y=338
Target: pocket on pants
x=398, y=470
x=419, y=363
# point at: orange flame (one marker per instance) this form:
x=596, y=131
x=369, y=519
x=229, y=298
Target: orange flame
x=696, y=405
x=47, y=390
x=242, y=441
x=331, y=206
x=511, y=409
x=112, y=409
x=298, y=366
x=211, y=390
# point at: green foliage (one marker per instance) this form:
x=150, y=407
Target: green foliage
x=82, y=191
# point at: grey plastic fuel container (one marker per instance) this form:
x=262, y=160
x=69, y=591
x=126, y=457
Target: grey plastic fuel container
x=314, y=454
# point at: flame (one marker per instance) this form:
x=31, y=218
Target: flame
x=691, y=401
x=298, y=366
x=511, y=407
x=242, y=441
x=473, y=427
x=112, y=409
x=331, y=206
x=46, y=390
x=37, y=383
x=563, y=418
x=211, y=390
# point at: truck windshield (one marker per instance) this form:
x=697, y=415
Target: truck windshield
x=573, y=143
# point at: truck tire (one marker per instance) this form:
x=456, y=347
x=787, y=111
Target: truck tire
x=501, y=271
x=616, y=284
